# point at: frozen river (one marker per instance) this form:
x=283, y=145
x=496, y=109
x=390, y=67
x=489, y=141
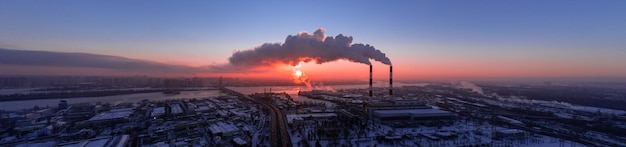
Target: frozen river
x=127, y=98
x=157, y=96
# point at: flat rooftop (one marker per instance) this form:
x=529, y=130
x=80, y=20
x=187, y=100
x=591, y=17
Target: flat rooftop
x=221, y=127
x=292, y=117
x=203, y=108
x=113, y=114
x=411, y=112
x=176, y=109
x=157, y=111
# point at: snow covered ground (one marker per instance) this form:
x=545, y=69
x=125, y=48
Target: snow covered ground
x=459, y=133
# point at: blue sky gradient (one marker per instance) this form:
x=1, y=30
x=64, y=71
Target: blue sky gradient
x=573, y=35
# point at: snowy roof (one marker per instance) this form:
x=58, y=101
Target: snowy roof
x=203, y=108
x=510, y=120
x=239, y=141
x=412, y=112
x=221, y=127
x=123, y=140
x=510, y=131
x=99, y=142
x=158, y=111
x=113, y=114
x=96, y=142
x=176, y=109
x=291, y=117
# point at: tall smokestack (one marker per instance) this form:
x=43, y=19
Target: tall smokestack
x=390, y=81
x=371, y=83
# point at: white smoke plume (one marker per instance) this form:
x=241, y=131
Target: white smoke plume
x=471, y=86
x=304, y=47
x=321, y=86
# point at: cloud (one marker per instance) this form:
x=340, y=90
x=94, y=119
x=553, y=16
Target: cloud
x=84, y=60
x=304, y=47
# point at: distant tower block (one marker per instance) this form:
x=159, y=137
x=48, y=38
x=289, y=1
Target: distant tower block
x=220, y=85
x=371, y=95
x=390, y=81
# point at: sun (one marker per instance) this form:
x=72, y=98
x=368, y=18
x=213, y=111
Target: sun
x=297, y=73
x=299, y=77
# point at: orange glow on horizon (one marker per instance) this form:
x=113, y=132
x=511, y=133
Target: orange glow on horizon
x=346, y=70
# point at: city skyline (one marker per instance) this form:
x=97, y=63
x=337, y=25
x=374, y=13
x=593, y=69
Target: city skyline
x=423, y=39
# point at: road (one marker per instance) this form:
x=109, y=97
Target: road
x=280, y=137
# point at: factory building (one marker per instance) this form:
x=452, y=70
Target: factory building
x=411, y=114
x=405, y=110
x=110, y=117
x=300, y=119
x=115, y=141
x=223, y=129
x=401, y=109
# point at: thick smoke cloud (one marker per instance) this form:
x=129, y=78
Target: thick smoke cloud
x=304, y=47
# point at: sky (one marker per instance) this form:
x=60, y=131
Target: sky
x=423, y=39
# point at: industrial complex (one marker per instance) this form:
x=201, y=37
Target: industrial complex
x=434, y=114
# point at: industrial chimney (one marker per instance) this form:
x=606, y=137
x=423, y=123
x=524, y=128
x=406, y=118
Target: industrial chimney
x=390, y=81
x=371, y=83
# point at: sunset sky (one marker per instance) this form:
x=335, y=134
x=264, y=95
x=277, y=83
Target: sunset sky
x=423, y=39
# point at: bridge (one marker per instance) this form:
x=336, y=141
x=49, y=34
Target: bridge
x=279, y=135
